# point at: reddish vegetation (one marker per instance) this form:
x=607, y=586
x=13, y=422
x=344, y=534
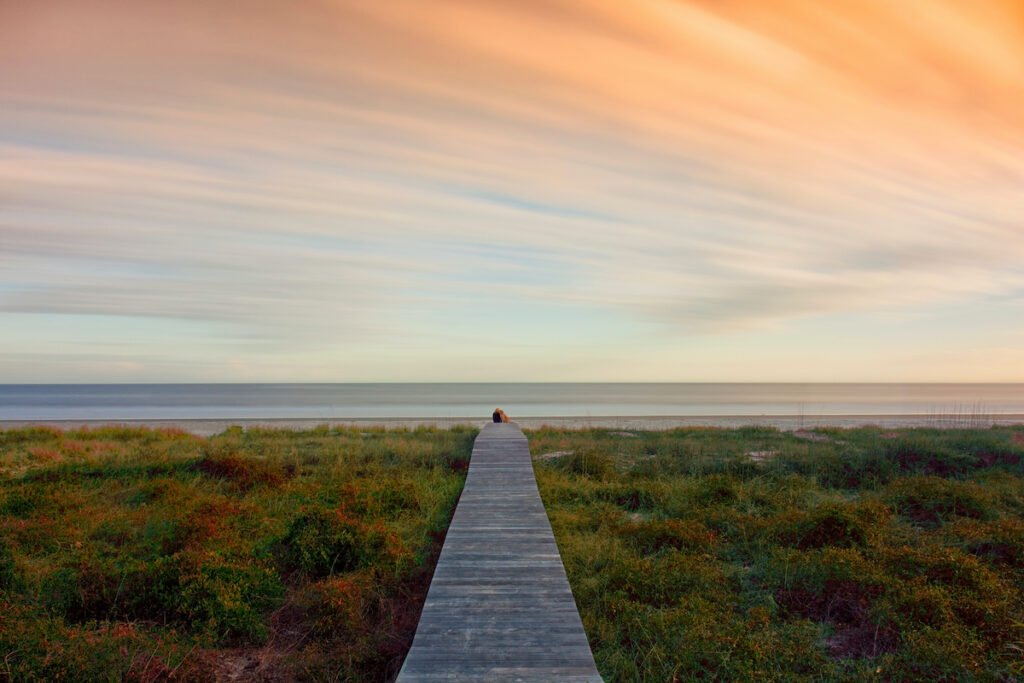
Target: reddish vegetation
x=208, y=521
x=256, y=556
x=990, y=459
x=846, y=605
x=678, y=534
x=870, y=555
x=43, y=454
x=245, y=472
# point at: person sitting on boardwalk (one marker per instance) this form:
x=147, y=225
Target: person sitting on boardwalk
x=500, y=416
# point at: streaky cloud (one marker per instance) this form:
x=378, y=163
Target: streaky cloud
x=333, y=178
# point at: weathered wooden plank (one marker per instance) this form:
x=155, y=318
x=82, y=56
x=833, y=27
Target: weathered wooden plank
x=499, y=607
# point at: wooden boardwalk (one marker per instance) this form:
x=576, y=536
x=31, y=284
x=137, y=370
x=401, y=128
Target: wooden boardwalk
x=499, y=606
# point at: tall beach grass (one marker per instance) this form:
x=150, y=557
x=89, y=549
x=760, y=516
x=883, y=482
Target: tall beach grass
x=142, y=555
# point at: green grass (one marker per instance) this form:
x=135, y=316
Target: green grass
x=753, y=554
x=131, y=554
x=749, y=554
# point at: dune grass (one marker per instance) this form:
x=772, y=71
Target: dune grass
x=753, y=554
x=750, y=554
x=134, y=554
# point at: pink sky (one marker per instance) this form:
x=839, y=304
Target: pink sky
x=654, y=190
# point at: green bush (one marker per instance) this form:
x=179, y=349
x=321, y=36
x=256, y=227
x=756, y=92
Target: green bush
x=22, y=503
x=982, y=599
x=951, y=653
x=1000, y=541
x=918, y=602
x=323, y=542
x=652, y=536
x=229, y=599
x=830, y=524
x=716, y=489
x=924, y=453
x=813, y=570
x=931, y=500
x=856, y=469
x=244, y=470
x=990, y=448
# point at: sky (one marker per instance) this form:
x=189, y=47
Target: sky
x=486, y=190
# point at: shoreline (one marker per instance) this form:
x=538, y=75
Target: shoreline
x=211, y=426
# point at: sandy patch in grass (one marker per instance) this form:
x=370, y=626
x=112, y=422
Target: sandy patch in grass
x=553, y=454
x=807, y=435
x=761, y=456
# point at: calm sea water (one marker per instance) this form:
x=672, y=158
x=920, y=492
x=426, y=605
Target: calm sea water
x=267, y=401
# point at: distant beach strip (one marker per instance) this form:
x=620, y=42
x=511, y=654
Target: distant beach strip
x=781, y=422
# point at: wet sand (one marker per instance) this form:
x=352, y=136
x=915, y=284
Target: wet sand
x=783, y=422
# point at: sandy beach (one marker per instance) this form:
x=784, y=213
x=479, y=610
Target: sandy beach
x=207, y=427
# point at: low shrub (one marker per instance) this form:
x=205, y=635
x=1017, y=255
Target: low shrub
x=228, y=599
x=663, y=580
x=22, y=503
x=1000, y=541
x=716, y=489
x=323, y=542
x=990, y=448
x=950, y=653
x=918, y=602
x=922, y=452
x=831, y=524
x=39, y=649
x=857, y=469
x=931, y=500
x=345, y=606
x=813, y=570
x=982, y=599
x=245, y=471
x=653, y=536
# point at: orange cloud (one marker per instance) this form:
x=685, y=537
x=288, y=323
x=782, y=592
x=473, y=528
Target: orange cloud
x=709, y=165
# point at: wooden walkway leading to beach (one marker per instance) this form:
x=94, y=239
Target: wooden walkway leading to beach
x=499, y=606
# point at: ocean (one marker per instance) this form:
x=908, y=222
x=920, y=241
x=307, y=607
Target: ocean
x=340, y=401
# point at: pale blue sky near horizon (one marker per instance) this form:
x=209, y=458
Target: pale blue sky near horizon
x=491, y=192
